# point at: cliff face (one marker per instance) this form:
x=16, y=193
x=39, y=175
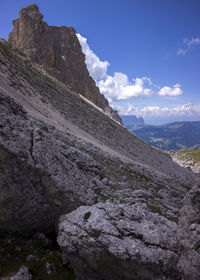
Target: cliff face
x=58, y=50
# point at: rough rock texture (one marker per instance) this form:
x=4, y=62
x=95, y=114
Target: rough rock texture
x=59, y=155
x=189, y=262
x=186, y=159
x=39, y=170
x=58, y=50
x=54, y=157
x=117, y=241
x=22, y=274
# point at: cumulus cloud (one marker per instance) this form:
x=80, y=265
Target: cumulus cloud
x=96, y=67
x=187, y=110
x=118, y=87
x=171, y=91
x=188, y=45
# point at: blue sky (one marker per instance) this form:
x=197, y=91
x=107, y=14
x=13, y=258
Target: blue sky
x=144, y=55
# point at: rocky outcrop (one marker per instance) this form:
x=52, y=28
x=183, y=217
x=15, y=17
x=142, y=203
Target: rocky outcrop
x=119, y=241
x=186, y=158
x=45, y=183
x=58, y=51
x=22, y=274
x=189, y=235
x=116, y=241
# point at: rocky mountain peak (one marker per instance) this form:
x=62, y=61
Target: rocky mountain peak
x=58, y=51
x=31, y=11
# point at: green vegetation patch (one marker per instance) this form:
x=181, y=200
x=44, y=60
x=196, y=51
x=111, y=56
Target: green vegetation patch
x=189, y=154
x=15, y=250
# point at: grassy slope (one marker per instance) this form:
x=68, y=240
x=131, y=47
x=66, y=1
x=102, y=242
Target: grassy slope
x=193, y=155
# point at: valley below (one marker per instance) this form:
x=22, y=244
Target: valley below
x=170, y=136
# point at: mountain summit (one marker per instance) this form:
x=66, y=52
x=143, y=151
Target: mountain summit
x=58, y=51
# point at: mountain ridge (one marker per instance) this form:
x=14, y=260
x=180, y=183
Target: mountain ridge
x=170, y=136
x=58, y=51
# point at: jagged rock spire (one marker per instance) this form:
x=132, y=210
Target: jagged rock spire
x=58, y=50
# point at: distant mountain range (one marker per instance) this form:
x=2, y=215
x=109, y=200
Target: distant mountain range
x=171, y=136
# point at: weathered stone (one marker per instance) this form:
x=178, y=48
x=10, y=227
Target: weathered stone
x=116, y=241
x=39, y=170
x=22, y=274
x=189, y=235
x=56, y=49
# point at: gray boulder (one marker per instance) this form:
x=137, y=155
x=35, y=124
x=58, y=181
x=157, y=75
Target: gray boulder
x=22, y=274
x=189, y=234
x=117, y=241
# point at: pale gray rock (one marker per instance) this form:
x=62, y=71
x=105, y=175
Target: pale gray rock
x=189, y=234
x=116, y=241
x=22, y=274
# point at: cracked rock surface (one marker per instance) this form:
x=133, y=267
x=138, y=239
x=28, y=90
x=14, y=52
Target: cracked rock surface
x=116, y=241
x=41, y=174
x=22, y=274
x=121, y=200
x=189, y=234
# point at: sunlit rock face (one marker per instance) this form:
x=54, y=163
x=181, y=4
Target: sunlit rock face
x=57, y=50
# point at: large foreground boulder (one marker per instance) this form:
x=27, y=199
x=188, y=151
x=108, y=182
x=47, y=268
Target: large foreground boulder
x=127, y=241
x=117, y=241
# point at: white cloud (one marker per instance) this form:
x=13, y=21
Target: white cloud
x=188, y=45
x=171, y=91
x=96, y=67
x=187, y=110
x=118, y=87
x=182, y=51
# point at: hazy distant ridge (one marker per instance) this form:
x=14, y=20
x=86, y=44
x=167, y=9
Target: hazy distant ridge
x=171, y=136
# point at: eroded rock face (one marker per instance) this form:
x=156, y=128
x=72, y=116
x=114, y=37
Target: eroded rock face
x=189, y=234
x=41, y=173
x=22, y=274
x=58, y=50
x=117, y=241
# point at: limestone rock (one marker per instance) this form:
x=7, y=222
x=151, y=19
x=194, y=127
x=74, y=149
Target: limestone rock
x=189, y=234
x=57, y=50
x=118, y=241
x=22, y=274
x=45, y=183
